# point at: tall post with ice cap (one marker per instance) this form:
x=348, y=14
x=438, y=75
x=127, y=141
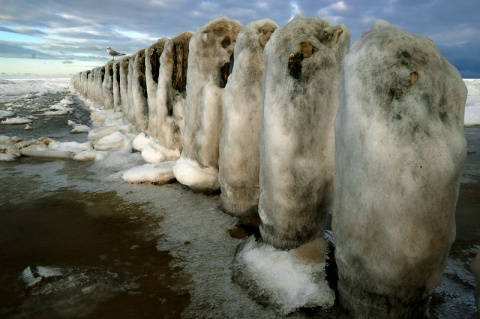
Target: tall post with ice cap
x=171, y=94
x=210, y=61
x=399, y=153
x=152, y=69
x=139, y=92
x=303, y=61
x=239, y=161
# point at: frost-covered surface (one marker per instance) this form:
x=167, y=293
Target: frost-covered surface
x=107, y=86
x=117, y=97
x=400, y=137
x=303, y=60
x=152, y=68
x=171, y=93
x=280, y=279
x=4, y=114
x=11, y=90
x=239, y=155
x=123, y=70
x=16, y=120
x=60, y=108
x=209, y=61
x=196, y=177
x=139, y=92
x=154, y=173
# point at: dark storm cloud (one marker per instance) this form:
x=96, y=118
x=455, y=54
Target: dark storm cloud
x=83, y=29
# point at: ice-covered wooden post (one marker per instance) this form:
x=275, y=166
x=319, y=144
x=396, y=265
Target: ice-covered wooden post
x=239, y=161
x=124, y=86
x=131, y=104
x=117, y=97
x=171, y=94
x=210, y=61
x=152, y=68
x=139, y=92
x=107, y=86
x=303, y=61
x=399, y=151
x=99, y=74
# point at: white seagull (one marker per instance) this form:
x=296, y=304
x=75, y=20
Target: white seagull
x=113, y=53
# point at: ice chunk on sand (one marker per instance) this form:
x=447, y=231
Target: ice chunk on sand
x=141, y=141
x=70, y=146
x=7, y=157
x=280, y=279
x=80, y=128
x=156, y=153
x=29, y=278
x=151, y=173
x=112, y=142
x=16, y=120
x=91, y=155
x=194, y=176
x=5, y=114
x=47, y=272
x=100, y=132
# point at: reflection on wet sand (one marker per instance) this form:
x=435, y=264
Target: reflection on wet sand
x=103, y=251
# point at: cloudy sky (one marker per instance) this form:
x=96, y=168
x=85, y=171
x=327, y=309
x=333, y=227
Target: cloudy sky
x=62, y=37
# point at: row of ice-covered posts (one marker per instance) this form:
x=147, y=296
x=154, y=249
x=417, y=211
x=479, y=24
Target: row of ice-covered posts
x=275, y=117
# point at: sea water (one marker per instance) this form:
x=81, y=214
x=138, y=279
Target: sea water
x=77, y=241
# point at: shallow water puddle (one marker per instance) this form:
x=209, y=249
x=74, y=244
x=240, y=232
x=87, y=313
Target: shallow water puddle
x=76, y=254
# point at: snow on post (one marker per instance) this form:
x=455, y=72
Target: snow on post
x=152, y=67
x=171, y=93
x=117, y=97
x=239, y=160
x=131, y=105
x=303, y=62
x=99, y=74
x=124, y=86
x=139, y=92
x=107, y=86
x=400, y=148
x=210, y=61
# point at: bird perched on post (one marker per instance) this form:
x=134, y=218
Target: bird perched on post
x=113, y=53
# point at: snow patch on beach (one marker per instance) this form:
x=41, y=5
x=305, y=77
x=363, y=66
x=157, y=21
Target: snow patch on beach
x=150, y=173
x=16, y=121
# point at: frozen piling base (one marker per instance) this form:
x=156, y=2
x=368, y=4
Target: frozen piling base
x=284, y=280
x=198, y=178
x=365, y=305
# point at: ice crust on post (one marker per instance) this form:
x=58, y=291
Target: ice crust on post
x=171, y=93
x=152, y=68
x=210, y=61
x=239, y=160
x=303, y=61
x=139, y=92
x=399, y=151
x=117, y=98
x=107, y=86
x=124, y=97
